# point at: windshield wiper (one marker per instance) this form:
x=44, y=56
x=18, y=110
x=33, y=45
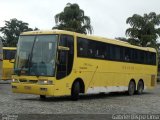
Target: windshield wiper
x=29, y=59
x=26, y=65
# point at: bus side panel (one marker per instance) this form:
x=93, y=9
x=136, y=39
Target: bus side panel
x=113, y=75
x=1, y=63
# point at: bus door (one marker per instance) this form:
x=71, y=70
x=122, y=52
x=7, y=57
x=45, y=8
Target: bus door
x=65, y=59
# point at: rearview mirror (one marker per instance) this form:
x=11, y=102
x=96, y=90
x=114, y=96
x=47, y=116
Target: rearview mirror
x=63, y=48
x=11, y=60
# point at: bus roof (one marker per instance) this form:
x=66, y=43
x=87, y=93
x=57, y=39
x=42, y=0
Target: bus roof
x=92, y=37
x=47, y=32
x=9, y=48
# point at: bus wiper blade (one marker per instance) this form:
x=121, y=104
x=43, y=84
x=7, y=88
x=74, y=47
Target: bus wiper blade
x=22, y=69
x=18, y=70
x=27, y=63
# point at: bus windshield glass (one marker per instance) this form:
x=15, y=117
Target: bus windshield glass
x=36, y=55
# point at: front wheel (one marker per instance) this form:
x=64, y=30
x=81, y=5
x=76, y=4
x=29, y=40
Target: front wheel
x=75, y=91
x=131, y=88
x=42, y=97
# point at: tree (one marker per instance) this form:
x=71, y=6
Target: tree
x=72, y=18
x=12, y=30
x=144, y=30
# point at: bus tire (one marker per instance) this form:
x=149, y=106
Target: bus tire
x=131, y=88
x=140, y=87
x=42, y=97
x=75, y=91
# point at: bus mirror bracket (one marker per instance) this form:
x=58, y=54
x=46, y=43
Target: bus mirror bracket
x=63, y=48
x=11, y=60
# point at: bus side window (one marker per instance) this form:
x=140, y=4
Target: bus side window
x=82, y=45
x=127, y=54
x=81, y=51
x=65, y=58
x=101, y=50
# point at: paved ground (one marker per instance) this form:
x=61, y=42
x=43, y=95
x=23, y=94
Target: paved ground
x=115, y=103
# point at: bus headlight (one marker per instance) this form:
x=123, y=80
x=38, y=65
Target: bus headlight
x=15, y=80
x=45, y=82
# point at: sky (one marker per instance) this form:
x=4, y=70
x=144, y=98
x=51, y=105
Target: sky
x=108, y=17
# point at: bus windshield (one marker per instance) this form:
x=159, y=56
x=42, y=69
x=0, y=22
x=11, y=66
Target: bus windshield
x=36, y=55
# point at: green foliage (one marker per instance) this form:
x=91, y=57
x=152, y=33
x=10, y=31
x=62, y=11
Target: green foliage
x=12, y=30
x=144, y=30
x=72, y=18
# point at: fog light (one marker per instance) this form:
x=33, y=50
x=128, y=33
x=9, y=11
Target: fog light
x=50, y=82
x=15, y=80
x=45, y=82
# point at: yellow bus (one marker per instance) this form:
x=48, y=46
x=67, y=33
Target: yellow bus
x=1, y=58
x=8, y=60
x=59, y=63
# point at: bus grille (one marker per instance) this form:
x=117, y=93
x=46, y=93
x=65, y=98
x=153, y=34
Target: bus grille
x=28, y=81
x=33, y=81
x=21, y=80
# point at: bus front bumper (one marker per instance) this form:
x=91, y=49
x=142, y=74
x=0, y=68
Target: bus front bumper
x=33, y=89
